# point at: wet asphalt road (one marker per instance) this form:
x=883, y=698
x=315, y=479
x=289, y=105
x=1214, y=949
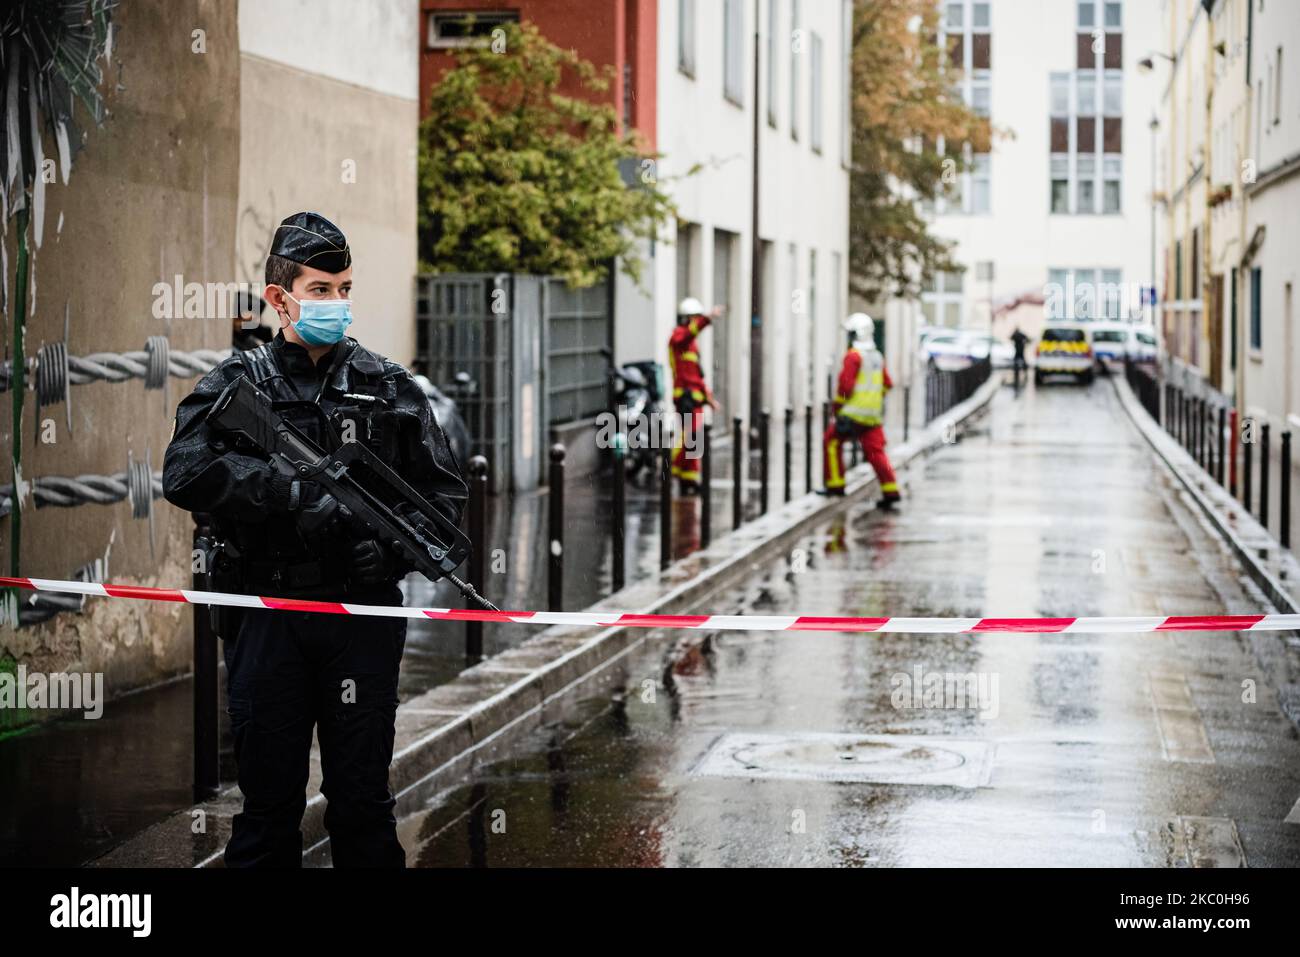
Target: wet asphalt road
x=770, y=749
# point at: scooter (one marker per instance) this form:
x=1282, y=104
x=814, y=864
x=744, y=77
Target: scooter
x=634, y=388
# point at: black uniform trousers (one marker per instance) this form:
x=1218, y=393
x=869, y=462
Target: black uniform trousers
x=289, y=671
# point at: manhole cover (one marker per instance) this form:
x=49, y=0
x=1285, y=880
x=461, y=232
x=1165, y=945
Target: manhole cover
x=851, y=758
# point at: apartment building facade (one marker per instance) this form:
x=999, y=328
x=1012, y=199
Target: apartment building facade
x=690, y=78
x=1055, y=222
x=1229, y=155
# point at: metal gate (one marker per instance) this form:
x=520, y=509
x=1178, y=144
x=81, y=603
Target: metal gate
x=461, y=328
x=579, y=325
x=528, y=353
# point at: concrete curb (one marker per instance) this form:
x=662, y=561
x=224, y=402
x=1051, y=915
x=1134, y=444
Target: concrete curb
x=1244, y=535
x=443, y=733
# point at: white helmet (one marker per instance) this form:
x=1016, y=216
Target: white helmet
x=861, y=327
x=690, y=306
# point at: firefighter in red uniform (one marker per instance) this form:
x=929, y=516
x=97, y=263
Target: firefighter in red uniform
x=690, y=392
x=859, y=411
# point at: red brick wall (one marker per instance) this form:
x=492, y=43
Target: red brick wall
x=605, y=32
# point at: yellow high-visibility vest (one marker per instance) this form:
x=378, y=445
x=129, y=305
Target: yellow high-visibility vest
x=866, y=405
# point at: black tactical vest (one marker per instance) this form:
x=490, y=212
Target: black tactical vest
x=357, y=400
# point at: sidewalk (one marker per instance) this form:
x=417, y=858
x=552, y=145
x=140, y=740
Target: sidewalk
x=445, y=731
x=1274, y=571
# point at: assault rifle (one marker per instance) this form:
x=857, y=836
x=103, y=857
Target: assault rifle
x=362, y=483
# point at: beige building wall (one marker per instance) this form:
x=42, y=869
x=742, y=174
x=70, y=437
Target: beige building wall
x=151, y=195
x=328, y=119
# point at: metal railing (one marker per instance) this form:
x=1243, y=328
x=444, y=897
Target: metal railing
x=945, y=389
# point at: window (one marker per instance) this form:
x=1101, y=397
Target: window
x=686, y=239
x=812, y=292
x=965, y=30
x=1111, y=303
x=1232, y=335
x=980, y=185
x=1277, y=89
x=686, y=36
x=1112, y=171
x=1256, y=326
x=1099, y=35
x=815, y=98
x=1085, y=149
x=1086, y=84
x=794, y=69
x=1178, y=270
x=1113, y=94
x=771, y=62
x=1195, y=291
x=449, y=31
x=1270, y=91
x=1085, y=294
x=1060, y=184
x=1060, y=94
x=733, y=51
x=942, y=299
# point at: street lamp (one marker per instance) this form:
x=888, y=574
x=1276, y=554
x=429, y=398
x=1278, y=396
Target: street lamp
x=1148, y=63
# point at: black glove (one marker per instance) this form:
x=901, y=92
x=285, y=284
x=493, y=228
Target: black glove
x=322, y=517
x=280, y=491
x=372, y=563
x=844, y=426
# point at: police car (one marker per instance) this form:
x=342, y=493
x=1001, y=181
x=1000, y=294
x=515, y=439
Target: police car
x=1064, y=349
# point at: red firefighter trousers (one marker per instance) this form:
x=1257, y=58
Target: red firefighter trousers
x=872, y=438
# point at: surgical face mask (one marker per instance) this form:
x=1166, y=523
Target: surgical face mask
x=322, y=322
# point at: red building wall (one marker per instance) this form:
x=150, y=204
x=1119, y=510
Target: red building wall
x=617, y=33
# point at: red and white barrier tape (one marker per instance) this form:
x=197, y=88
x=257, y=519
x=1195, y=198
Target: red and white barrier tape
x=714, y=622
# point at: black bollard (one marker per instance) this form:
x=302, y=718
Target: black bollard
x=764, y=441
x=1222, y=450
x=807, y=448
x=618, y=537
x=737, y=472
x=1247, y=462
x=555, y=554
x=1200, y=432
x=665, y=509
x=1185, y=428
x=789, y=453
x=1207, y=452
x=478, y=484
x=706, y=485
x=1286, y=489
x=207, y=735
x=1263, y=476
x=907, y=409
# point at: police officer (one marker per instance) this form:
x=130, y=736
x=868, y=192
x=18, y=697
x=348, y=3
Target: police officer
x=290, y=672
x=859, y=411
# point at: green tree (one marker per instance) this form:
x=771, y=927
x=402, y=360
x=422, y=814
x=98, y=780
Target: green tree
x=903, y=103
x=520, y=167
